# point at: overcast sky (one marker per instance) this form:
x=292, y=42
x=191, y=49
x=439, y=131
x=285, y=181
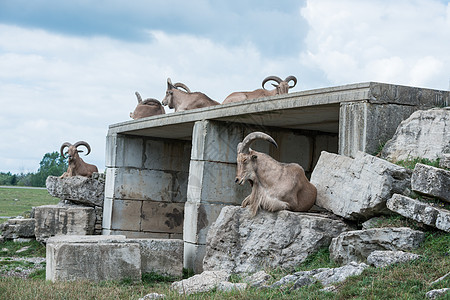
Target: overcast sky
x=69, y=69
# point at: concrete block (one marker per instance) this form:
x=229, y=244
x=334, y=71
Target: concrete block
x=216, y=141
x=143, y=234
x=359, y=128
x=124, y=151
x=126, y=215
x=162, y=256
x=198, y=217
x=171, y=155
x=193, y=257
x=162, y=217
x=18, y=228
x=54, y=220
x=213, y=182
x=107, y=213
x=95, y=259
x=164, y=186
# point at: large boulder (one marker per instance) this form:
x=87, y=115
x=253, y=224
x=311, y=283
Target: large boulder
x=88, y=191
x=357, y=188
x=431, y=181
x=426, y=134
x=420, y=211
x=357, y=245
x=244, y=244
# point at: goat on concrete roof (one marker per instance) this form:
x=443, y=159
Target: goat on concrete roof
x=77, y=167
x=146, y=108
x=281, y=88
x=185, y=100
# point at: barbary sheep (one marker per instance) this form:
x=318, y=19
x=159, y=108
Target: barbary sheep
x=148, y=107
x=281, y=88
x=185, y=100
x=77, y=167
x=275, y=186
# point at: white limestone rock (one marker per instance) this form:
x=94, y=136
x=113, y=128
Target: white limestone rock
x=431, y=181
x=357, y=189
x=203, y=282
x=336, y=275
x=357, y=245
x=420, y=212
x=380, y=259
x=433, y=294
x=426, y=134
x=244, y=244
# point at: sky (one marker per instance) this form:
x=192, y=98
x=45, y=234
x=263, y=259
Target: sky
x=69, y=69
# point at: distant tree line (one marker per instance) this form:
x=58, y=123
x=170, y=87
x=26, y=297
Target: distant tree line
x=52, y=164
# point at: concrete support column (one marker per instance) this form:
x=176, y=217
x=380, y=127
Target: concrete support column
x=146, y=186
x=366, y=127
x=211, y=184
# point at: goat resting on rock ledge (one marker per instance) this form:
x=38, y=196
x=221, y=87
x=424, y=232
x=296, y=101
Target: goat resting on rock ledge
x=77, y=167
x=275, y=186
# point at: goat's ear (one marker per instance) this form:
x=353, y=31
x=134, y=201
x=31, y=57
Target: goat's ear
x=274, y=85
x=254, y=157
x=80, y=151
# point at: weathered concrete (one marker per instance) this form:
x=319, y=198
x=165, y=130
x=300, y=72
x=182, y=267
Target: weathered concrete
x=18, y=228
x=162, y=256
x=420, y=212
x=92, y=258
x=52, y=220
x=431, y=181
x=303, y=124
x=357, y=188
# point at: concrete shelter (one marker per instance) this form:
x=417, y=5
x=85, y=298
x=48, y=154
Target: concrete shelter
x=168, y=176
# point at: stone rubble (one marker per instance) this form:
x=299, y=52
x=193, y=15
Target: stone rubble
x=381, y=259
x=431, y=181
x=203, y=282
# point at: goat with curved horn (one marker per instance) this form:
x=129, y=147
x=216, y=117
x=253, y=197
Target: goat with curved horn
x=282, y=87
x=275, y=186
x=185, y=100
x=146, y=108
x=77, y=167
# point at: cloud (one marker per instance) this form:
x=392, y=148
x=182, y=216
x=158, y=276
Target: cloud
x=56, y=88
x=403, y=42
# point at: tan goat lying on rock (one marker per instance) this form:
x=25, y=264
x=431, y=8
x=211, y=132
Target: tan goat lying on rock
x=275, y=186
x=282, y=87
x=77, y=167
x=147, y=108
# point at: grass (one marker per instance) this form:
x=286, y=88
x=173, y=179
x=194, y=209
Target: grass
x=401, y=281
x=19, y=201
x=411, y=163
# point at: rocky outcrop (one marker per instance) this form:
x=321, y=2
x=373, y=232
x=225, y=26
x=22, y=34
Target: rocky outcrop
x=420, y=211
x=434, y=294
x=87, y=191
x=357, y=189
x=380, y=259
x=357, y=245
x=241, y=243
x=425, y=134
x=431, y=181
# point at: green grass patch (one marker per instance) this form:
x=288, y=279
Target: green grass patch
x=411, y=163
x=10, y=248
x=19, y=201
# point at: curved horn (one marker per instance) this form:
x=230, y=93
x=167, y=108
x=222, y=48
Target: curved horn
x=244, y=146
x=63, y=146
x=274, y=78
x=138, y=97
x=183, y=86
x=151, y=101
x=83, y=143
x=169, y=84
x=289, y=78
